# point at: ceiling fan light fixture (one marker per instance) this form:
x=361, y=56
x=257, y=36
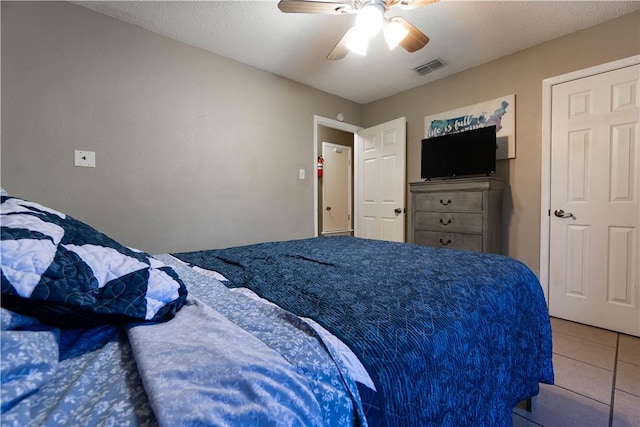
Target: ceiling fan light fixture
x=371, y=18
x=394, y=33
x=357, y=41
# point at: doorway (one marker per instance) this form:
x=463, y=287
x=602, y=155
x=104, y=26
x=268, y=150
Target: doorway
x=378, y=176
x=591, y=216
x=339, y=133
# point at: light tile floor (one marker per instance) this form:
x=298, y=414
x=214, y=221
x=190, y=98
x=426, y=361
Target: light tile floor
x=597, y=380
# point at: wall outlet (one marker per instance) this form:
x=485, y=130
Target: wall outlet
x=85, y=159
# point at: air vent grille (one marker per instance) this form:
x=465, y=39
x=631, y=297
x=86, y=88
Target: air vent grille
x=430, y=66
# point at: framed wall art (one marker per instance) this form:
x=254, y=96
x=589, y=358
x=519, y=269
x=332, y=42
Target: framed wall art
x=500, y=112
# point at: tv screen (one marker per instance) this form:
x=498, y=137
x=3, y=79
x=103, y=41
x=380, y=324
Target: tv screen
x=472, y=152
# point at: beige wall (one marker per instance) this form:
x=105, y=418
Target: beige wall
x=196, y=151
x=193, y=150
x=520, y=74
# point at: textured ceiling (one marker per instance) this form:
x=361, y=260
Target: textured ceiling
x=463, y=34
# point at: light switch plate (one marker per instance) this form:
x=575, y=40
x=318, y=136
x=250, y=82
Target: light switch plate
x=301, y=174
x=85, y=159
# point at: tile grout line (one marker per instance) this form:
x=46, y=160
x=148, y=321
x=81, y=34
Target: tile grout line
x=580, y=335
x=587, y=363
x=581, y=394
x=582, y=338
x=527, y=419
x=613, y=383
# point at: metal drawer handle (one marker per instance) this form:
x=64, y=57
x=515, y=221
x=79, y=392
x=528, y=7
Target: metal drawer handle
x=443, y=203
x=445, y=223
x=443, y=243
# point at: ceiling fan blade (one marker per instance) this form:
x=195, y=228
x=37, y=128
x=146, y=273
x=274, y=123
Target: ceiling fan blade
x=412, y=4
x=311, y=6
x=340, y=50
x=415, y=40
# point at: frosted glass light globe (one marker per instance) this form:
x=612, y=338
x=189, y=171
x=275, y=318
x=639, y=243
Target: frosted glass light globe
x=370, y=19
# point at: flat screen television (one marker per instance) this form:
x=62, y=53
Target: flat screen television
x=472, y=152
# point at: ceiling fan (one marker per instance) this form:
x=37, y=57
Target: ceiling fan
x=370, y=20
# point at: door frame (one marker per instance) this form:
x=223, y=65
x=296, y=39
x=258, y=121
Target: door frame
x=334, y=124
x=545, y=187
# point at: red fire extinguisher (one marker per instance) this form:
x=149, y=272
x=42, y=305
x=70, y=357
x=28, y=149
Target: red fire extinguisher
x=320, y=162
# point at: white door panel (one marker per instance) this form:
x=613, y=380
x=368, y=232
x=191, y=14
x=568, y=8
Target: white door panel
x=595, y=160
x=381, y=181
x=336, y=188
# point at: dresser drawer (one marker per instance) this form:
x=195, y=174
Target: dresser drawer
x=470, y=242
x=449, y=201
x=463, y=213
x=457, y=222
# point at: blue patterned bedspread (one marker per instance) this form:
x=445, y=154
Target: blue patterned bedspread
x=229, y=360
x=225, y=359
x=449, y=337
x=68, y=377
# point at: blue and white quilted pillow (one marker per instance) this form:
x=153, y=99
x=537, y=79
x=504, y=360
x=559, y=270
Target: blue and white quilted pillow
x=66, y=273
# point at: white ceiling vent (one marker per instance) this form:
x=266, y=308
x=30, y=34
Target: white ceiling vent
x=430, y=66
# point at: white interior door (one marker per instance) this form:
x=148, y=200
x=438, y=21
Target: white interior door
x=336, y=188
x=594, y=255
x=381, y=181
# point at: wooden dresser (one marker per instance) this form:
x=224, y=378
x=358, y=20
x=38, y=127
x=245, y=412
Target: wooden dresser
x=463, y=213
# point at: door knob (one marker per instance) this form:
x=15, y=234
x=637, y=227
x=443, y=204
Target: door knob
x=328, y=208
x=398, y=210
x=562, y=214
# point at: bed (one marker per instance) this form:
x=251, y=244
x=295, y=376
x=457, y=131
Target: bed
x=324, y=331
